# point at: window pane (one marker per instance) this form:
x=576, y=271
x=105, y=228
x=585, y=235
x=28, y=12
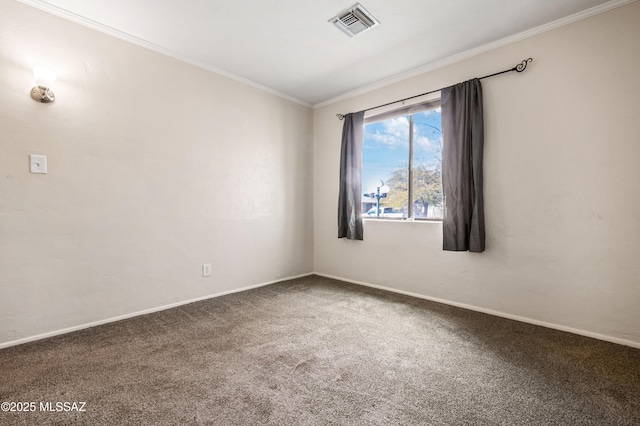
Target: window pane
x=385, y=159
x=427, y=165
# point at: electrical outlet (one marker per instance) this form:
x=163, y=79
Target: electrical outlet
x=206, y=269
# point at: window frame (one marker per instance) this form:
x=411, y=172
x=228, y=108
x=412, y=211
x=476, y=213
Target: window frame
x=409, y=110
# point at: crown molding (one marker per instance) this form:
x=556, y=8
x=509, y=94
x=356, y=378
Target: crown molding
x=54, y=10
x=57, y=11
x=449, y=60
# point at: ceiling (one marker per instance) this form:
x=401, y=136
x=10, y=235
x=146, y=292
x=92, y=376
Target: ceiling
x=288, y=47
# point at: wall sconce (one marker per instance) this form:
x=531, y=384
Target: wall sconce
x=44, y=80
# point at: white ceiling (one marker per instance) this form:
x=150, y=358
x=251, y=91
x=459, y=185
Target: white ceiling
x=288, y=47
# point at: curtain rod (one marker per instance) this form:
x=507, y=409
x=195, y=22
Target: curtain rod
x=518, y=68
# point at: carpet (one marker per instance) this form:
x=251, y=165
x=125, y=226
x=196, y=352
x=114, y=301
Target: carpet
x=316, y=351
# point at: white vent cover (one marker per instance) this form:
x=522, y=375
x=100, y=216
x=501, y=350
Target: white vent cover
x=354, y=20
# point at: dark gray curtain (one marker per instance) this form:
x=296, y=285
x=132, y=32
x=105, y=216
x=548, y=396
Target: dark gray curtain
x=463, y=139
x=350, y=198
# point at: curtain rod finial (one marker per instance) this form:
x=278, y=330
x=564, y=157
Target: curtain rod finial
x=340, y=116
x=523, y=65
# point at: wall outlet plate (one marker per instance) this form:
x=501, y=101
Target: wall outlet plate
x=206, y=269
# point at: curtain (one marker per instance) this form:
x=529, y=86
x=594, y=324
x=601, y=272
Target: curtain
x=350, y=198
x=463, y=139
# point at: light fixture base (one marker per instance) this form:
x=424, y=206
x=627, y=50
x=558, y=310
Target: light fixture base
x=43, y=94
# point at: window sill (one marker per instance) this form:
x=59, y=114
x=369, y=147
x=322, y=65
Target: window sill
x=393, y=220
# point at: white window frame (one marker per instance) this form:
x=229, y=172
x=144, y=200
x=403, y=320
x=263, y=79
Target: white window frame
x=400, y=112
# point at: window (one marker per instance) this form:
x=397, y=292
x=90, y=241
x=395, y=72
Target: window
x=402, y=164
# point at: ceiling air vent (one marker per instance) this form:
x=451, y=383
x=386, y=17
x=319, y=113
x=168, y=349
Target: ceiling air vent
x=354, y=20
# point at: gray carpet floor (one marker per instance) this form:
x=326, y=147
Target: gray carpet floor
x=315, y=351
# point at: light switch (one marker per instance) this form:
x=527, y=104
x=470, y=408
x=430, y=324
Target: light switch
x=38, y=163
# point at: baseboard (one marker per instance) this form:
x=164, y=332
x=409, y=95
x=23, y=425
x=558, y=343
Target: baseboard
x=144, y=312
x=362, y=283
x=598, y=336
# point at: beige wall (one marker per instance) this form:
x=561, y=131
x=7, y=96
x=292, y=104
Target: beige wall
x=562, y=187
x=155, y=167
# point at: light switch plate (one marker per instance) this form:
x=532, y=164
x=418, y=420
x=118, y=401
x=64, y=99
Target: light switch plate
x=38, y=163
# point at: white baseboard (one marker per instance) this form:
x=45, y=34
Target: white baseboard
x=598, y=336
x=393, y=290
x=144, y=312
